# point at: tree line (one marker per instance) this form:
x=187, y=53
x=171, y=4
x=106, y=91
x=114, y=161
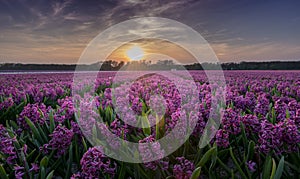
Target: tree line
x=111, y=65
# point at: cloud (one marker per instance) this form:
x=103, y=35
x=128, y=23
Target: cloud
x=256, y=52
x=47, y=30
x=58, y=7
x=142, y=8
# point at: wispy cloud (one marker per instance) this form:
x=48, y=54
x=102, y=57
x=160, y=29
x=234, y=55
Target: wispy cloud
x=236, y=30
x=58, y=7
x=142, y=8
x=256, y=52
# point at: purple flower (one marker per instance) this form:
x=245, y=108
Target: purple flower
x=296, y=118
x=7, y=146
x=25, y=147
x=182, y=122
x=247, y=102
x=222, y=138
x=50, y=93
x=111, y=139
x=34, y=167
x=150, y=149
x=290, y=135
x=293, y=106
x=59, y=90
x=107, y=98
x=67, y=104
x=66, y=110
x=251, y=123
x=59, y=117
x=163, y=164
x=281, y=107
x=61, y=139
x=251, y=166
x=37, y=113
x=231, y=122
x=8, y=102
x=262, y=105
x=94, y=164
x=183, y=169
x=270, y=137
x=200, y=126
x=19, y=172
x=76, y=176
x=119, y=129
x=153, y=84
x=172, y=121
x=76, y=129
x=86, y=113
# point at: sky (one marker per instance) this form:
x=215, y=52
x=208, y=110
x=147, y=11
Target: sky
x=57, y=32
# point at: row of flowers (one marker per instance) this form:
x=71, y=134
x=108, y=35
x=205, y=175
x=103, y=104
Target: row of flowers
x=45, y=132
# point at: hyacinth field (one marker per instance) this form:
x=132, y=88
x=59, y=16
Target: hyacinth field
x=40, y=135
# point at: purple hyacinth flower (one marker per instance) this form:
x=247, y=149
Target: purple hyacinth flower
x=183, y=169
x=94, y=164
x=61, y=139
x=251, y=166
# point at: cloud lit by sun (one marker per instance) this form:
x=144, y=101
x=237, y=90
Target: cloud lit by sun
x=135, y=53
x=151, y=50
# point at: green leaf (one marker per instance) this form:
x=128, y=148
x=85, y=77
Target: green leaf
x=223, y=165
x=232, y=174
x=287, y=114
x=55, y=166
x=23, y=160
x=196, y=173
x=44, y=162
x=84, y=144
x=273, y=169
x=267, y=168
x=237, y=164
x=122, y=171
x=77, y=158
x=144, y=107
x=28, y=156
x=146, y=125
x=157, y=128
x=14, y=124
x=70, y=162
x=244, y=137
x=213, y=158
x=43, y=172
x=137, y=172
x=52, y=123
x=250, y=152
x=12, y=135
x=270, y=105
x=101, y=111
x=108, y=114
x=50, y=175
x=3, y=173
x=206, y=157
x=42, y=134
x=273, y=119
x=279, y=168
x=34, y=130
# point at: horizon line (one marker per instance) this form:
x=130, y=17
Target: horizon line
x=235, y=62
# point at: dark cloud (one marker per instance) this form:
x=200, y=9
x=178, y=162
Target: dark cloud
x=42, y=30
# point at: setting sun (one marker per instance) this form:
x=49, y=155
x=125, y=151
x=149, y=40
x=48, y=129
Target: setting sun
x=135, y=53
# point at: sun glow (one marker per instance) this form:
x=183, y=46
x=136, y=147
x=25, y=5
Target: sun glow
x=135, y=53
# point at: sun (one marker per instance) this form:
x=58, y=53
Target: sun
x=135, y=53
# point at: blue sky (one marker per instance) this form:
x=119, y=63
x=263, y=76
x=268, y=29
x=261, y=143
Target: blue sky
x=43, y=31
